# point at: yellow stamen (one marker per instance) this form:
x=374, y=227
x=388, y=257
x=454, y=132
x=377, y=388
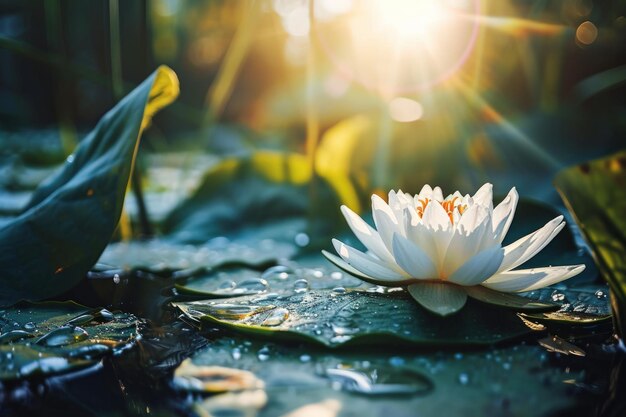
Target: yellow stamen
x=448, y=206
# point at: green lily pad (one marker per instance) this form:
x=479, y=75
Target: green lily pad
x=231, y=282
x=162, y=255
x=21, y=361
x=263, y=197
x=595, y=194
x=71, y=217
x=331, y=319
x=55, y=337
x=583, y=309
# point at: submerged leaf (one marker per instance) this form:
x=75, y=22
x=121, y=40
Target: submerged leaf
x=71, y=217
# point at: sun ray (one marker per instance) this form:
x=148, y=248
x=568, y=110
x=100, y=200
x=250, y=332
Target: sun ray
x=490, y=114
x=517, y=26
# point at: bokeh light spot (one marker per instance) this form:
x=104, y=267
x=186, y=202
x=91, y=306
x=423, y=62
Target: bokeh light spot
x=586, y=33
x=402, y=109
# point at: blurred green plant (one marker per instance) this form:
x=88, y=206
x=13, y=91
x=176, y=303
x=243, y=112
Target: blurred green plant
x=595, y=194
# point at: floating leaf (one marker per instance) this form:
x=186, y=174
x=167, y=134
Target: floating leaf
x=332, y=319
x=595, y=193
x=71, y=217
x=161, y=255
x=54, y=337
x=231, y=282
x=265, y=197
x=556, y=344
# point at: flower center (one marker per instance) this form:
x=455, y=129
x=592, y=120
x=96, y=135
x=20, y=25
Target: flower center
x=448, y=205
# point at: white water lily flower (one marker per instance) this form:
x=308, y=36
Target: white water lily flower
x=446, y=249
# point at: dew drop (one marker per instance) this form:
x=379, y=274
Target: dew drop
x=301, y=285
x=600, y=294
x=263, y=354
x=276, y=317
x=63, y=336
x=344, y=326
x=80, y=320
x=14, y=335
x=251, y=286
x=227, y=285
x=305, y=358
x=30, y=326
x=339, y=290
x=278, y=272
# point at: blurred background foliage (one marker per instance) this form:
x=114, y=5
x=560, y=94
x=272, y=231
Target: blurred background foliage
x=377, y=97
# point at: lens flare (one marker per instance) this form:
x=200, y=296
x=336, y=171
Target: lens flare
x=400, y=46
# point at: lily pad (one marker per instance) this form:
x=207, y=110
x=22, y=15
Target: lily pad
x=331, y=319
x=583, y=309
x=54, y=337
x=71, y=217
x=162, y=255
x=231, y=282
x=595, y=194
x=266, y=196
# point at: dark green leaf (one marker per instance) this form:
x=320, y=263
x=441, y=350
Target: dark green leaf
x=54, y=337
x=331, y=319
x=71, y=217
x=595, y=193
x=266, y=196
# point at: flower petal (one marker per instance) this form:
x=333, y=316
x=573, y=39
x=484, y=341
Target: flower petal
x=503, y=215
x=439, y=297
x=480, y=267
x=531, y=279
x=528, y=246
x=366, y=234
x=484, y=196
x=398, y=202
x=423, y=237
x=367, y=264
x=503, y=299
x=472, y=218
x=467, y=239
x=436, y=217
x=425, y=192
x=437, y=194
x=355, y=272
x=413, y=259
x=386, y=222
